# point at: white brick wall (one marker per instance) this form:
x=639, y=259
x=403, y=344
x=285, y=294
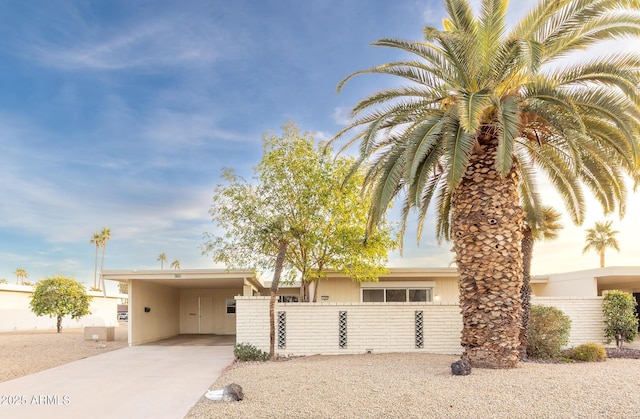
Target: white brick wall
x=587, y=320
x=313, y=328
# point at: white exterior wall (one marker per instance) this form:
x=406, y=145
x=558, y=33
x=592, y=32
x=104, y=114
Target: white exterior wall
x=570, y=284
x=15, y=313
x=313, y=328
x=252, y=321
x=163, y=319
x=587, y=319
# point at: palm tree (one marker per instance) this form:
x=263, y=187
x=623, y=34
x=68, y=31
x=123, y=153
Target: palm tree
x=105, y=236
x=20, y=274
x=481, y=110
x=599, y=238
x=97, y=240
x=162, y=258
x=540, y=224
x=175, y=264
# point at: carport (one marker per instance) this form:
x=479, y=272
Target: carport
x=168, y=303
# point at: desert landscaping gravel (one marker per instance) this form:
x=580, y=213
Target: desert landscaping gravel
x=421, y=386
x=374, y=385
x=26, y=352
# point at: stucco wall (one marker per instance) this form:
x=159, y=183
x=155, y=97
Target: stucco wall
x=163, y=319
x=15, y=313
x=313, y=328
x=214, y=317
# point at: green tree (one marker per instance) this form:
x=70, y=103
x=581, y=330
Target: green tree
x=482, y=108
x=58, y=297
x=20, y=274
x=327, y=216
x=540, y=224
x=599, y=238
x=621, y=323
x=175, y=264
x=162, y=258
x=123, y=288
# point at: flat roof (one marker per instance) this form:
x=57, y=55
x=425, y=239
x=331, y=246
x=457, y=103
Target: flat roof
x=187, y=278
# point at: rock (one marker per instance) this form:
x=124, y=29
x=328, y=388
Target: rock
x=233, y=392
x=461, y=367
x=230, y=393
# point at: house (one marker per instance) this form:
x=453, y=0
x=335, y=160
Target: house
x=419, y=307
x=166, y=303
x=15, y=313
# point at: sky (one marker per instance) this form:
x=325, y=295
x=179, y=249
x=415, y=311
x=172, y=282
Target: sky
x=122, y=114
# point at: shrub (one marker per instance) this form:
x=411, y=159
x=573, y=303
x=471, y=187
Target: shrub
x=548, y=332
x=620, y=320
x=588, y=352
x=248, y=352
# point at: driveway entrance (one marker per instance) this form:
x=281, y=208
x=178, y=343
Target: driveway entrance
x=146, y=381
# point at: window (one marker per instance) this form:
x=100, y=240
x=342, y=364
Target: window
x=373, y=296
x=397, y=295
x=231, y=306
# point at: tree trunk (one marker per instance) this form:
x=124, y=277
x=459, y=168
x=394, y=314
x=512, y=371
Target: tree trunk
x=316, y=283
x=59, y=324
x=95, y=268
x=486, y=231
x=282, y=252
x=525, y=293
x=602, y=257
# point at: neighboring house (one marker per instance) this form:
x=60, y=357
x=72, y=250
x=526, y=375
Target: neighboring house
x=15, y=313
x=203, y=301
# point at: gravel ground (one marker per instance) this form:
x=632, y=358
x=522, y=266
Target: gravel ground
x=26, y=352
x=421, y=386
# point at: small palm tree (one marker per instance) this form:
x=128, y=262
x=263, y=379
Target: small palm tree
x=162, y=258
x=20, y=274
x=543, y=224
x=599, y=238
x=175, y=264
x=97, y=240
x=105, y=236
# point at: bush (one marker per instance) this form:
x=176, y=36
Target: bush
x=620, y=321
x=248, y=352
x=588, y=352
x=548, y=332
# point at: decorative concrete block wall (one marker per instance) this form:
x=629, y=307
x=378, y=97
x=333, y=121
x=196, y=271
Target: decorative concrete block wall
x=351, y=328
x=587, y=319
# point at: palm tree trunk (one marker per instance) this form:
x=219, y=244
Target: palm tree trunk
x=95, y=268
x=104, y=248
x=525, y=293
x=602, y=257
x=282, y=252
x=486, y=229
x=59, y=324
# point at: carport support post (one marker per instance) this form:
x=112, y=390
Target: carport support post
x=282, y=251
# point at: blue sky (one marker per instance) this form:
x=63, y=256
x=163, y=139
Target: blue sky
x=123, y=114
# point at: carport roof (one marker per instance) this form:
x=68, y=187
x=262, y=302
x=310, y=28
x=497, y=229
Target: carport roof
x=187, y=278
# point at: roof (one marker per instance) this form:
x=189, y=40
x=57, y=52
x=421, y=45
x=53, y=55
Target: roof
x=187, y=278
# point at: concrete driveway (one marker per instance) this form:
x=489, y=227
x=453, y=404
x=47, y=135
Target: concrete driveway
x=133, y=382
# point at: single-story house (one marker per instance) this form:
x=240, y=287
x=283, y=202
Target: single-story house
x=165, y=303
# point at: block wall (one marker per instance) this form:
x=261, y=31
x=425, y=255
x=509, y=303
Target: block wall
x=314, y=328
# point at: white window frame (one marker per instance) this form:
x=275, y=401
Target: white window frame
x=429, y=295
